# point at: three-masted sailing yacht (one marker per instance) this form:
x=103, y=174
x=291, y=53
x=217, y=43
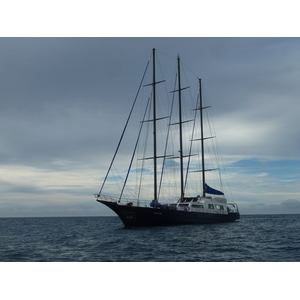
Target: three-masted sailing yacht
x=186, y=209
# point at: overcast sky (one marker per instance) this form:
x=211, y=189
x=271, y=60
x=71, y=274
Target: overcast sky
x=64, y=102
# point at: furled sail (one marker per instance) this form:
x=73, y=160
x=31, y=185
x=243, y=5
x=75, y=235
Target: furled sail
x=210, y=190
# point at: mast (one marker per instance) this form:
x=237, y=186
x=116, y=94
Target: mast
x=154, y=129
x=180, y=131
x=202, y=139
x=155, y=157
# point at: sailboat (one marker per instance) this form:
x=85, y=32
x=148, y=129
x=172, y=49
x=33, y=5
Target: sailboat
x=157, y=206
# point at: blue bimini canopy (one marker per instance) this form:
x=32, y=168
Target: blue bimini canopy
x=210, y=190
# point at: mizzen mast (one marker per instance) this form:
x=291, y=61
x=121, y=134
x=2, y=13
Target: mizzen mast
x=202, y=139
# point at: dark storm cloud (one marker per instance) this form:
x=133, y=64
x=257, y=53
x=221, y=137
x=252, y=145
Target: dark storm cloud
x=60, y=93
x=57, y=94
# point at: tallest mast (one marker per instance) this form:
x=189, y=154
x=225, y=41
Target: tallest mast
x=180, y=131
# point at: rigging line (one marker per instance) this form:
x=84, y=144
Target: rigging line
x=167, y=139
x=115, y=154
x=166, y=54
x=212, y=131
x=187, y=80
x=161, y=72
x=215, y=147
x=193, y=131
x=221, y=164
x=135, y=147
x=115, y=178
x=145, y=147
x=189, y=69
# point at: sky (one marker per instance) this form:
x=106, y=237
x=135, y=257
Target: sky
x=64, y=102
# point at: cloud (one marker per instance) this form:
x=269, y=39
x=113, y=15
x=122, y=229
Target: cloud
x=290, y=206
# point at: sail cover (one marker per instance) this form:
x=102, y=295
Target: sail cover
x=210, y=190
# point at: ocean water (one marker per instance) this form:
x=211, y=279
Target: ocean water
x=254, y=238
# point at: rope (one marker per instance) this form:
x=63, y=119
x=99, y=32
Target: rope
x=124, y=128
x=137, y=141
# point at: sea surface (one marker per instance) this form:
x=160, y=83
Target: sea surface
x=254, y=238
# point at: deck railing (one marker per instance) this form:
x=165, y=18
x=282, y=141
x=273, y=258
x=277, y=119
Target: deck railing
x=204, y=210
x=124, y=201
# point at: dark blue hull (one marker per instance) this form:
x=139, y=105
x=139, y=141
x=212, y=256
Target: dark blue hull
x=147, y=216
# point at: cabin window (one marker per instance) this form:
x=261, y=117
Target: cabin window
x=210, y=206
x=197, y=205
x=187, y=199
x=220, y=207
